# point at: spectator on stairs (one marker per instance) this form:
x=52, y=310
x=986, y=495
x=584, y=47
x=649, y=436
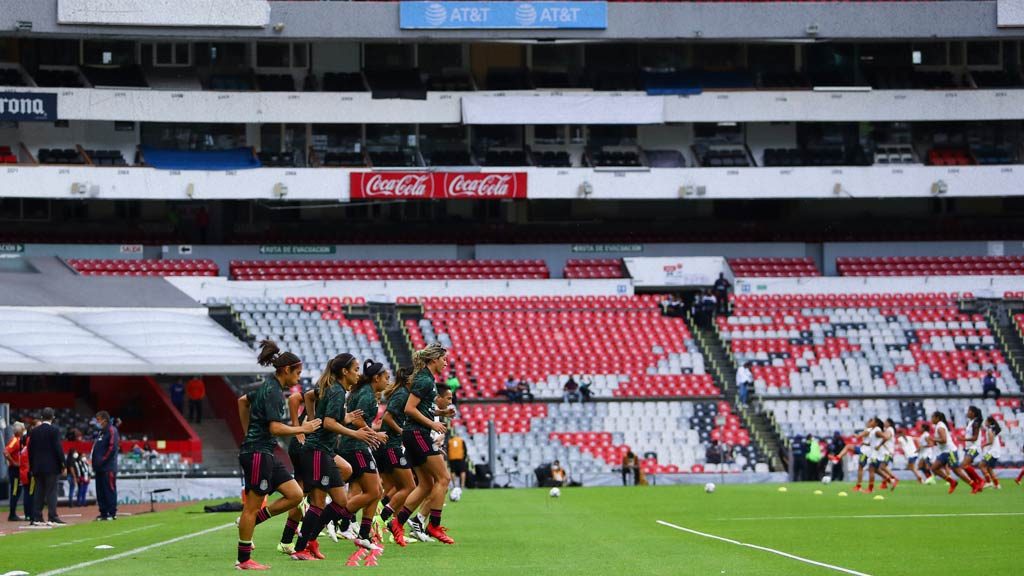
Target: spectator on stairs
x=722, y=293
x=744, y=379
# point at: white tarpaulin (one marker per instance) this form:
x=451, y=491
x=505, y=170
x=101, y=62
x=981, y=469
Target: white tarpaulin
x=681, y=271
x=575, y=108
x=240, y=13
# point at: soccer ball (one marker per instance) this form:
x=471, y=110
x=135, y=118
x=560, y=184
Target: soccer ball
x=826, y=480
x=555, y=493
x=456, y=494
x=709, y=487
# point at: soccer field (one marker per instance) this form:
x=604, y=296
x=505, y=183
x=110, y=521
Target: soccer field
x=915, y=530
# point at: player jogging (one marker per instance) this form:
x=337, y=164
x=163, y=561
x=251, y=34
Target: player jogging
x=321, y=474
x=910, y=450
x=298, y=415
x=973, y=437
x=391, y=460
x=992, y=450
x=263, y=415
x=364, y=484
x=946, y=448
x=886, y=453
x=426, y=461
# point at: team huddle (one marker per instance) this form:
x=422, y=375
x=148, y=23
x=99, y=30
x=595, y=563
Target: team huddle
x=932, y=453
x=360, y=439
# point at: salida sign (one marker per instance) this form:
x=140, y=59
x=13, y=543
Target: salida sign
x=438, y=185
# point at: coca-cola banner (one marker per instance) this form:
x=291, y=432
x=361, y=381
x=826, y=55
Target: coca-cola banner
x=438, y=185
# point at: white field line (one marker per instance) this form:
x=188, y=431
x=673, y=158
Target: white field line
x=764, y=549
x=134, y=551
x=105, y=536
x=874, y=516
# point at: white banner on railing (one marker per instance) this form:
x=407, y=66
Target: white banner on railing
x=204, y=288
x=682, y=271
x=979, y=286
x=547, y=108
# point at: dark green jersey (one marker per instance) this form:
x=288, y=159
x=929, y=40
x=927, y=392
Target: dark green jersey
x=331, y=405
x=424, y=387
x=361, y=399
x=396, y=407
x=266, y=405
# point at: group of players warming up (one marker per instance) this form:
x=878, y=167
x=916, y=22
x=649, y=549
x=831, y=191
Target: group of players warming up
x=353, y=440
x=932, y=453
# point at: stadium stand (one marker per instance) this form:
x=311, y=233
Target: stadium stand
x=62, y=156
x=7, y=155
x=950, y=157
x=106, y=157
x=594, y=268
x=387, y=269
x=773, y=267
x=277, y=159
x=315, y=329
x=863, y=345
x=553, y=338
x=931, y=266
x=94, y=267
x=58, y=78
x=235, y=159
x=592, y=438
x=126, y=76
x=11, y=77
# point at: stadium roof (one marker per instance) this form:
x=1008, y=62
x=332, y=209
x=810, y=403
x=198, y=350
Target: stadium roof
x=118, y=341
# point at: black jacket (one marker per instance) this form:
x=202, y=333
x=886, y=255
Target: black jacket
x=45, y=453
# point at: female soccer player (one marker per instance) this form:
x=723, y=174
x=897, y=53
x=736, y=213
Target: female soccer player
x=885, y=454
x=394, y=467
x=358, y=451
x=297, y=412
x=973, y=437
x=322, y=475
x=946, y=448
x=992, y=450
x=263, y=414
x=862, y=451
x=926, y=451
x=909, y=446
x=426, y=461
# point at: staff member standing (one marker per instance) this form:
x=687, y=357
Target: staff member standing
x=12, y=454
x=46, y=461
x=196, y=391
x=457, y=459
x=104, y=465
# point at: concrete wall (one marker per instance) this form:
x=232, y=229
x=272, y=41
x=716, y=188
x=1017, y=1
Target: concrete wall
x=670, y=21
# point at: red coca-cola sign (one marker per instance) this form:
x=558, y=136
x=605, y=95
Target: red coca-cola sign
x=438, y=185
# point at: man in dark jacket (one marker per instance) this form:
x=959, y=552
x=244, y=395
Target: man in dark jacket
x=104, y=466
x=46, y=461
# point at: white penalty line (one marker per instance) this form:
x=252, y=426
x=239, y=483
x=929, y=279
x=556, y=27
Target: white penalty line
x=139, y=550
x=764, y=549
x=881, y=516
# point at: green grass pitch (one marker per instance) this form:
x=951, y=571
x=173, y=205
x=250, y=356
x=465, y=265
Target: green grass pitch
x=916, y=530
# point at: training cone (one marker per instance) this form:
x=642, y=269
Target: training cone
x=842, y=494
x=879, y=497
x=783, y=489
x=818, y=492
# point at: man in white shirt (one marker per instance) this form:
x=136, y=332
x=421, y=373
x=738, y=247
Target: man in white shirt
x=744, y=379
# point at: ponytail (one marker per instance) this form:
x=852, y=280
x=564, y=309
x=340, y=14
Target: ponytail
x=271, y=355
x=332, y=372
x=994, y=425
x=428, y=354
x=403, y=378
x=371, y=369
